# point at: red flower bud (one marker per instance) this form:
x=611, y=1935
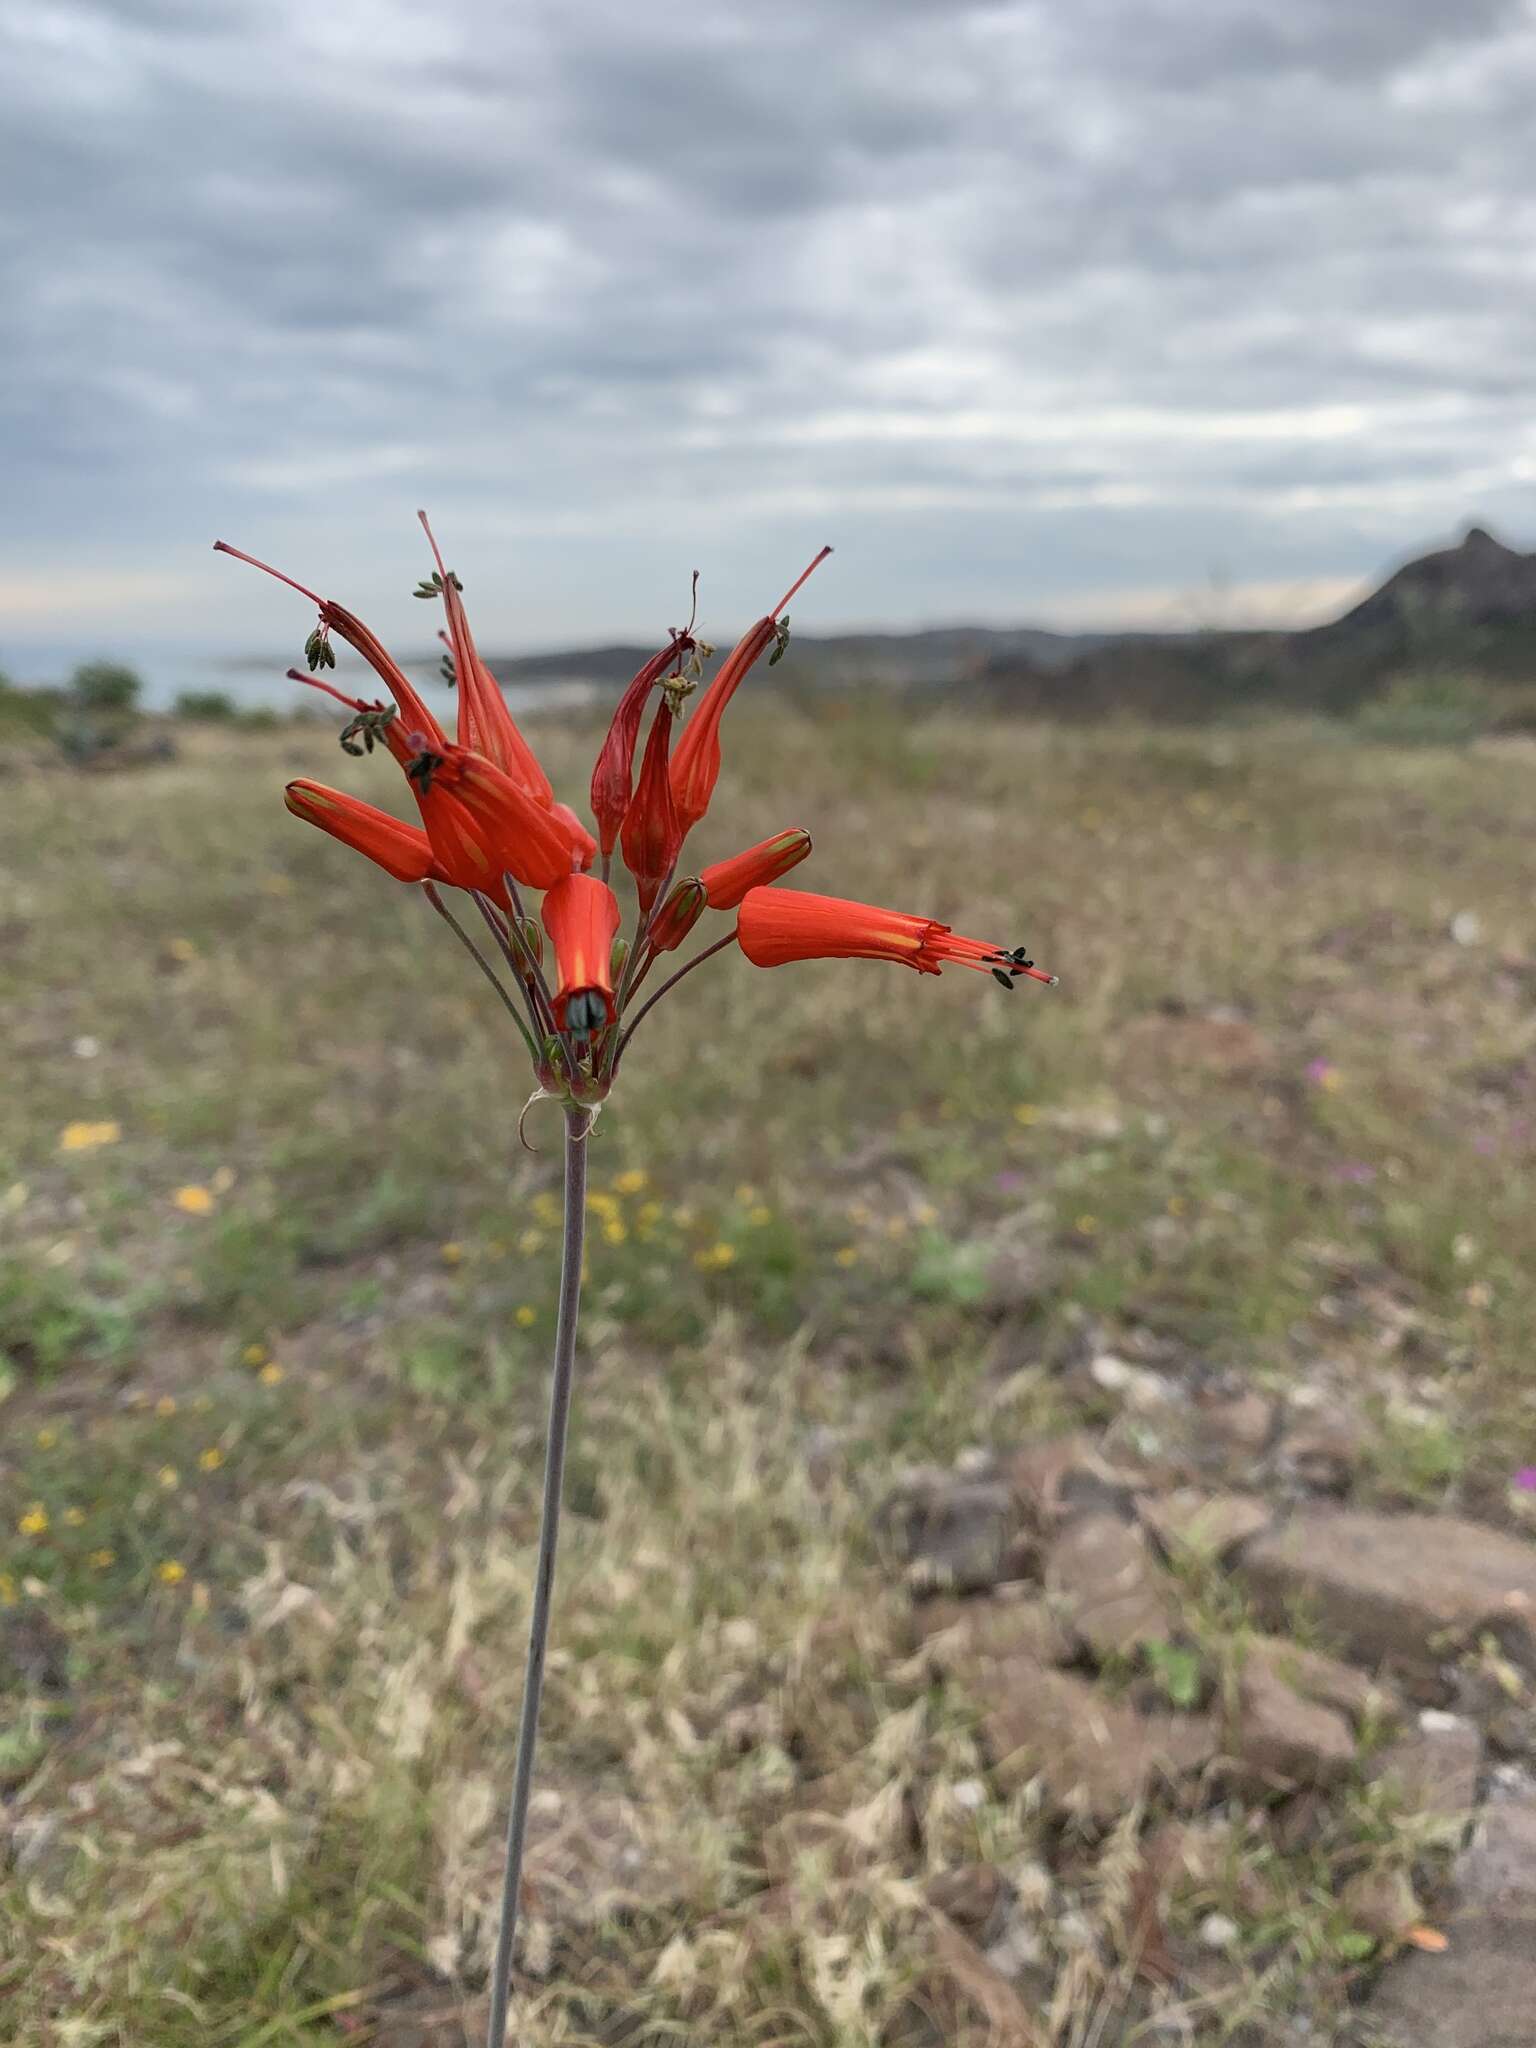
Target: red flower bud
x=403, y=851
x=612, y=777
x=677, y=916
x=486, y=726
x=727, y=881
x=653, y=836
x=581, y=915
x=696, y=764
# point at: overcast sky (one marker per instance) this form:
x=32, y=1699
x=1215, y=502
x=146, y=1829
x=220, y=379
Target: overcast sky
x=1081, y=311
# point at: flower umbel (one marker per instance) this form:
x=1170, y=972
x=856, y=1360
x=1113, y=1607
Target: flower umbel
x=491, y=827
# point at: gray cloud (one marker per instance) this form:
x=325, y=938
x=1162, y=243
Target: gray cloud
x=1018, y=303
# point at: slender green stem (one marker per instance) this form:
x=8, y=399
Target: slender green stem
x=687, y=968
x=484, y=965
x=578, y=1123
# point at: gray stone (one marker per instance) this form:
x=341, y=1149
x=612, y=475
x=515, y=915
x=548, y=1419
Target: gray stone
x=1285, y=1739
x=1406, y=1590
x=1481, y=1993
x=1214, y=1525
x=1433, y=1769
x=954, y=1531
x=1095, y=1756
x=1101, y=1581
x=957, y=1634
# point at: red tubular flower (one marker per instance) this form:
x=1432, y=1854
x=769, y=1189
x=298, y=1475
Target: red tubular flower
x=727, y=881
x=677, y=916
x=696, y=764
x=581, y=915
x=612, y=777
x=583, y=845
x=653, y=833
x=483, y=824
x=401, y=850
x=779, y=925
x=485, y=723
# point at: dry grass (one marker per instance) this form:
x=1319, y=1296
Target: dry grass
x=271, y=1457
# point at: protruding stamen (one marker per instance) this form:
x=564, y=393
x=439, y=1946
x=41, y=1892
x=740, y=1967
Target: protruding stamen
x=804, y=577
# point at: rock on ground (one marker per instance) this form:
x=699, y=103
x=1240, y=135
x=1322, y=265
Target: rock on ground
x=1481, y=1992
x=1403, y=1590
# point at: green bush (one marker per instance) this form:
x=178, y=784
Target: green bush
x=209, y=707
x=106, y=686
x=1430, y=707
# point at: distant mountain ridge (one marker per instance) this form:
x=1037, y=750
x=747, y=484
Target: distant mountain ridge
x=1476, y=598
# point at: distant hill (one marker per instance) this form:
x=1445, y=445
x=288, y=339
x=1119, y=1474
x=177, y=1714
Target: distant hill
x=1467, y=608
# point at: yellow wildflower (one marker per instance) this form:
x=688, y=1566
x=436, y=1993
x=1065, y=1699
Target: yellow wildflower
x=166, y=1405
x=211, y=1459
x=74, y=1517
x=649, y=1214
x=716, y=1258
x=254, y=1354
x=531, y=1241
x=46, y=1439
x=181, y=949
x=759, y=1214
x=614, y=1231
x=99, y=1560
x=193, y=1200
x=452, y=1254
x=1087, y=1226
x=633, y=1181
x=34, y=1522
x=85, y=1137
x=272, y=1375
x=1025, y=1113
x=168, y=1477
x=171, y=1573
x=601, y=1204
x=846, y=1255
x=526, y=1317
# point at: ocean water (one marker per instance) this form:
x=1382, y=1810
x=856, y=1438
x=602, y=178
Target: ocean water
x=255, y=681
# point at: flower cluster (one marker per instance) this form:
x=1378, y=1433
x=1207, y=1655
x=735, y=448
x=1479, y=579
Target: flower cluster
x=491, y=826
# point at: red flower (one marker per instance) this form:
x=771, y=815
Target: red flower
x=403, y=851
x=491, y=820
x=581, y=915
x=727, y=881
x=485, y=723
x=696, y=764
x=779, y=925
x=611, y=778
x=482, y=822
x=653, y=833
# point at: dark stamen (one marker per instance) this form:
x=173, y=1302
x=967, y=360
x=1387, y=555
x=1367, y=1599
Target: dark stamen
x=999, y=975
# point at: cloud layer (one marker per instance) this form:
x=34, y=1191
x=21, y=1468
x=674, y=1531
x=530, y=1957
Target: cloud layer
x=1036, y=311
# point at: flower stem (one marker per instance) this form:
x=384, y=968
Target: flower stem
x=697, y=961
x=578, y=1123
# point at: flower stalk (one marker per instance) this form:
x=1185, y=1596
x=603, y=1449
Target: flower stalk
x=578, y=1125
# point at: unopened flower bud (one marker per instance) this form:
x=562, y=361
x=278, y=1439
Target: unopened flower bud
x=678, y=915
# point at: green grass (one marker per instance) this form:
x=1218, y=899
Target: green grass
x=1274, y=1114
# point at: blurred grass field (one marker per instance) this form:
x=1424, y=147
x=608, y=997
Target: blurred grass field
x=277, y=1286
